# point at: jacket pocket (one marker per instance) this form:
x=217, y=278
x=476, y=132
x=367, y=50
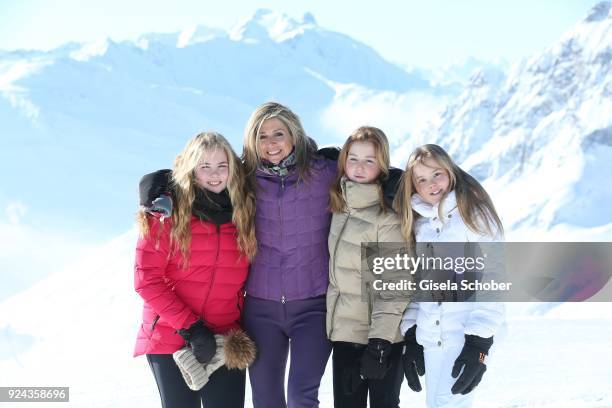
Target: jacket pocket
x=154, y=323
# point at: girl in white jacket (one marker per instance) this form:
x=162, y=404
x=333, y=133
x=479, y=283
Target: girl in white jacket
x=448, y=342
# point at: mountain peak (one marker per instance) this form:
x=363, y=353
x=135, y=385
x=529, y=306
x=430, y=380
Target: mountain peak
x=91, y=49
x=266, y=24
x=599, y=12
x=308, y=18
x=163, y=39
x=486, y=75
x=197, y=34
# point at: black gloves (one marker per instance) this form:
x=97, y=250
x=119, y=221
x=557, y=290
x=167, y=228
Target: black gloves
x=154, y=185
x=331, y=152
x=472, y=359
x=201, y=340
x=375, y=360
x=413, y=360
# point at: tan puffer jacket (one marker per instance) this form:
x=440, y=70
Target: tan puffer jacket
x=349, y=317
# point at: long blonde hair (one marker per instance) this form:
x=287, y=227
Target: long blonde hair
x=474, y=204
x=304, y=147
x=184, y=187
x=381, y=146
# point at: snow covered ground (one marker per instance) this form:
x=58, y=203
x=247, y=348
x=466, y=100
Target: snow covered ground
x=77, y=328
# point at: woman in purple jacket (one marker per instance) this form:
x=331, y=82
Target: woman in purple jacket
x=285, y=302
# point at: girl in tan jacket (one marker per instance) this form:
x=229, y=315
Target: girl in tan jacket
x=363, y=327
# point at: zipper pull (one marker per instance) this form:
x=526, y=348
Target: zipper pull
x=283, y=299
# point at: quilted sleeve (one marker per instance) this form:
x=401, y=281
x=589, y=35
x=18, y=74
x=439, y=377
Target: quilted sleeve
x=149, y=276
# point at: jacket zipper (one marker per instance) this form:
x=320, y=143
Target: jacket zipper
x=241, y=293
x=212, y=280
x=348, y=215
x=280, y=209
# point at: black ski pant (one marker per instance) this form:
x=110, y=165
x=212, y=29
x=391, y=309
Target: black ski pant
x=225, y=389
x=383, y=393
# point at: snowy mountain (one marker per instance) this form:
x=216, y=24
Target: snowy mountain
x=458, y=74
x=84, y=121
x=81, y=123
x=541, y=136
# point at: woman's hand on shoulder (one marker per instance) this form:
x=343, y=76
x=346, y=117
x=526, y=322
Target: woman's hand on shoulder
x=329, y=152
x=154, y=191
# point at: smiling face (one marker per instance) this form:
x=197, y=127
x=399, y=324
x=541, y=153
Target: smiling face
x=275, y=141
x=212, y=171
x=361, y=165
x=430, y=180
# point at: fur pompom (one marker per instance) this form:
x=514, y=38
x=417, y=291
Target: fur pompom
x=240, y=350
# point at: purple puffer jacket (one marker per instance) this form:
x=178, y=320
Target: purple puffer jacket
x=292, y=223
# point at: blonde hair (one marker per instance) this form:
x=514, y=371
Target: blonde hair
x=474, y=204
x=142, y=222
x=304, y=146
x=381, y=146
x=184, y=187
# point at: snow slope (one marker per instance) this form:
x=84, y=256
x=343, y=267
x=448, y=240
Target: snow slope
x=540, y=137
x=77, y=328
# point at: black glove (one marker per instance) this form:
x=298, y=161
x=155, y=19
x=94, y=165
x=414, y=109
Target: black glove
x=154, y=185
x=162, y=205
x=413, y=360
x=201, y=340
x=375, y=360
x=351, y=377
x=472, y=359
x=390, y=186
x=331, y=152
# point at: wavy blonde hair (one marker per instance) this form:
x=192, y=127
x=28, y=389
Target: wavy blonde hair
x=475, y=205
x=184, y=187
x=381, y=146
x=305, y=148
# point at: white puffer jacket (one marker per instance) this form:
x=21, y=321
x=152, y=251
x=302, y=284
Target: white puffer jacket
x=445, y=323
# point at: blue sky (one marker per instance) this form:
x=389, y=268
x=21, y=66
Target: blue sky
x=420, y=33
